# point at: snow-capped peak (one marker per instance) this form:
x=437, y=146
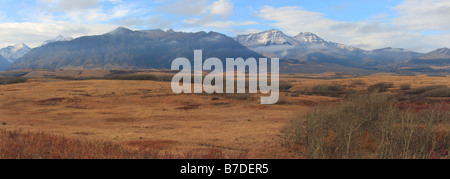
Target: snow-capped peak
x=266, y=38
x=59, y=38
x=14, y=52
x=310, y=38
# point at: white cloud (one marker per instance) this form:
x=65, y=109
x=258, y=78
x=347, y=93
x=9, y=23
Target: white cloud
x=217, y=24
x=76, y=4
x=214, y=17
x=80, y=11
x=427, y=15
x=404, y=31
x=223, y=8
x=293, y=20
x=34, y=34
x=228, y=24
x=93, y=15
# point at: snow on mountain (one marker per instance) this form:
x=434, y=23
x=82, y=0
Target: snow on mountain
x=266, y=38
x=274, y=37
x=310, y=38
x=60, y=38
x=12, y=53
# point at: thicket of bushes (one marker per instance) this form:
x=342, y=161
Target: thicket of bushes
x=327, y=90
x=324, y=90
x=439, y=92
x=285, y=86
x=380, y=87
x=370, y=126
x=421, y=90
x=431, y=91
x=12, y=80
x=405, y=86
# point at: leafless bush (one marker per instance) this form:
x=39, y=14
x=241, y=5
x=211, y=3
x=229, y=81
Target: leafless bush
x=370, y=126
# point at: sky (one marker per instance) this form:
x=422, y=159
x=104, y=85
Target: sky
x=417, y=25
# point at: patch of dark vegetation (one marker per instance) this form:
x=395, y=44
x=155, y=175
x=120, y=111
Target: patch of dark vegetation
x=12, y=74
x=121, y=72
x=436, y=75
x=380, y=87
x=421, y=90
x=285, y=86
x=328, y=90
x=149, y=77
x=12, y=80
x=283, y=101
x=332, y=90
x=405, y=86
x=84, y=133
x=189, y=107
x=124, y=120
x=219, y=104
x=54, y=101
x=125, y=76
x=358, y=83
x=439, y=92
x=76, y=78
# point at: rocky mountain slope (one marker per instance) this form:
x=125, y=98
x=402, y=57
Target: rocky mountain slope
x=127, y=49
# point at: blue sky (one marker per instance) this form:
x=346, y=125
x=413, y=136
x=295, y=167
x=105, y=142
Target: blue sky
x=419, y=25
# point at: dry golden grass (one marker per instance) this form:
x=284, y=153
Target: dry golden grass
x=119, y=112
x=146, y=114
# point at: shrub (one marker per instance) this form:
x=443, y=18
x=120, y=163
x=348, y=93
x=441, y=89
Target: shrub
x=405, y=86
x=380, y=87
x=327, y=90
x=285, y=86
x=370, y=126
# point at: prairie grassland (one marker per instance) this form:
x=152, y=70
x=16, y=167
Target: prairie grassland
x=144, y=119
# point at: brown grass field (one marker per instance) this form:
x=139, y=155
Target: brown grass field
x=144, y=119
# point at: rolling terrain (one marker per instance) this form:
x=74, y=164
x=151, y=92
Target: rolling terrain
x=137, y=114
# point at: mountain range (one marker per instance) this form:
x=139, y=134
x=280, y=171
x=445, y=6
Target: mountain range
x=308, y=52
x=127, y=49
x=156, y=49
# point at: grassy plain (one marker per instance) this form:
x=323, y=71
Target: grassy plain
x=145, y=116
